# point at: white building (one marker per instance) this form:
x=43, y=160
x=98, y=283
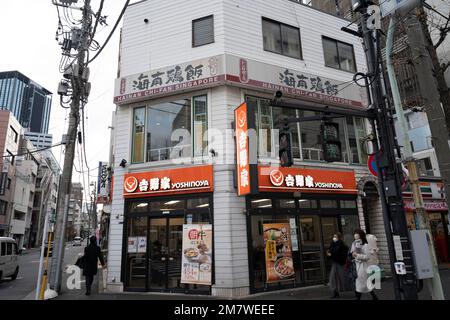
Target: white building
x=40, y=140
x=184, y=69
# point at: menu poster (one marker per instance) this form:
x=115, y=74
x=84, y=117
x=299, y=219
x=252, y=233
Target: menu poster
x=142, y=244
x=279, y=263
x=132, y=244
x=196, y=261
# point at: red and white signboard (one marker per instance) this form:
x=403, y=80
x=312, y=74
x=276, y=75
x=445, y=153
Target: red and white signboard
x=429, y=205
x=242, y=150
x=166, y=182
x=277, y=179
x=222, y=69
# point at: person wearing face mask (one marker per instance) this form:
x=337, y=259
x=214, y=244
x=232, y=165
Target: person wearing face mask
x=363, y=256
x=338, y=255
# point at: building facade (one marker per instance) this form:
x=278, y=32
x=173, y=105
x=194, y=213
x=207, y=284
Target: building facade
x=183, y=89
x=40, y=140
x=28, y=101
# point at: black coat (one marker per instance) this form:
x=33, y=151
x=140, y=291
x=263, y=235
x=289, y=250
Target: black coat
x=92, y=254
x=338, y=251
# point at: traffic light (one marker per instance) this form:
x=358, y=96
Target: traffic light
x=285, y=151
x=329, y=132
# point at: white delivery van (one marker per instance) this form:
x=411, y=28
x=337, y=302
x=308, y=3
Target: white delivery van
x=9, y=262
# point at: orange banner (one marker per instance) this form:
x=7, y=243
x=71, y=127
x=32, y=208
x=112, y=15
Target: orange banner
x=168, y=182
x=278, y=179
x=242, y=150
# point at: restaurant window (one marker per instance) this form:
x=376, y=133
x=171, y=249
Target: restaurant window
x=3, y=206
x=348, y=204
x=307, y=204
x=281, y=38
x=286, y=203
x=198, y=203
x=175, y=129
x=203, y=31
x=200, y=126
x=167, y=205
x=328, y=204
x=268, y=118
x=261, y=203
x=138, y=135
x=338, y=55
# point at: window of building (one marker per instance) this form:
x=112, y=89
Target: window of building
x=203, y=31
x=175, y=129
x=9, y=248
x=8, y=186
x=3, y=206
x=416, y=120
x=425, y=167
x=3, y=249
x=281, y=38
x=306, y=142
x=339, y=55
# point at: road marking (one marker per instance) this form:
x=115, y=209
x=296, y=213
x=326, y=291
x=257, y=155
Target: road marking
x=35, y=261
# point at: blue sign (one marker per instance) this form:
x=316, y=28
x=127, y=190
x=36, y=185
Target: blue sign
x=372, y=165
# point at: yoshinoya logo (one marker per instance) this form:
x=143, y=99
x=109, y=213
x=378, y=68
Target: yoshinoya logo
x=242, y=119
x=277, y=178
x=190, y=184
x=131, y=184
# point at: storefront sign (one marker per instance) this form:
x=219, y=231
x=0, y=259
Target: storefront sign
x=246, y=73
x=276, y=179
x=313, y=87
x=196, y=261
x=102, y=182
x=279, y=262
x=242, y=150
x=185, y=76
x=429, y=205
x=175, y=181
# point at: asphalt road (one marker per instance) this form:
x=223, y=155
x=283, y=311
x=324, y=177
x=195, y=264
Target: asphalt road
x=23, y=287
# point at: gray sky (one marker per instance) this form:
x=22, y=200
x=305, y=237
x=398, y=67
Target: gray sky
x=27, y=35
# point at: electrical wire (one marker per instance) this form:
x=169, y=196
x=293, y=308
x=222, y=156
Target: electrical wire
x=111, y=33
x=33, y=151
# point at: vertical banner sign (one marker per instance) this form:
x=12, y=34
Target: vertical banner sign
x=279, y=263
x=196, y=261
x=102, y=183
x=242, y=150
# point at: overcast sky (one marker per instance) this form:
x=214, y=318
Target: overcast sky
x=27, y=35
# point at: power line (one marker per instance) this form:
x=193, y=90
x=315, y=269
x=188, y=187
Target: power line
x=111, y=33
x=34, y=151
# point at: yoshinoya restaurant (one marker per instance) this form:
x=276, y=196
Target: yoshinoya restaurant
x=239, y=228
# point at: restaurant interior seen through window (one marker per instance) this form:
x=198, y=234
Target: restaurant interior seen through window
x=175, y=129
x=306, y=142
x=312, y=224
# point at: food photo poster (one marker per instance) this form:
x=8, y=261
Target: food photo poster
x=196, y=259
x=279, y=263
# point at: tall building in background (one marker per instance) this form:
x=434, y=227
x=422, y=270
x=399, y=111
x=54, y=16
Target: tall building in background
x=29, y=102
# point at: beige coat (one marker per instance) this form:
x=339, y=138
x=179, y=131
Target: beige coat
x=365, y=257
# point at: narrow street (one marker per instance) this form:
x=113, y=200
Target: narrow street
x=23, y=287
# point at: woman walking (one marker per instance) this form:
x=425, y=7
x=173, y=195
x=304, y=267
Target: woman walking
x=364, y=257
x=338, y=255
x=92, y=254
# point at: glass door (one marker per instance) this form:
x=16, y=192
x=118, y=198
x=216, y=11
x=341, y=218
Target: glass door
x=175, y=247
x=158, y=253
x=136, y=263
x=311, y=248
x=329, y=228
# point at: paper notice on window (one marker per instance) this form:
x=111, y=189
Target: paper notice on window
x=132, y=244
x=142, y=245
x=398, y=248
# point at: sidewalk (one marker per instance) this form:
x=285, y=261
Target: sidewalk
x=320, y=292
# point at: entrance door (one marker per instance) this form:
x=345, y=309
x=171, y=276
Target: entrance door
x=166, y=237
x=311, y=248
x=329, y=228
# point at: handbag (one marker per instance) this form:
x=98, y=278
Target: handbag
x=81, y=262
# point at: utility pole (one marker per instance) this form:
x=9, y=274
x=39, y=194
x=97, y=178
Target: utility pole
x=436, y=118
x=79, y=87
x=389, y=170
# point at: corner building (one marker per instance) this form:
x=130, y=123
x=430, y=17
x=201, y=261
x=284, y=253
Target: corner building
x=184, y=68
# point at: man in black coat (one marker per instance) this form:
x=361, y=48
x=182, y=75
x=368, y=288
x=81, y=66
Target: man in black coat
x=92, y=253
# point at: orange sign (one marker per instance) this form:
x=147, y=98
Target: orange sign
x=167, y=182
x=242, y=150
x=278, y=179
